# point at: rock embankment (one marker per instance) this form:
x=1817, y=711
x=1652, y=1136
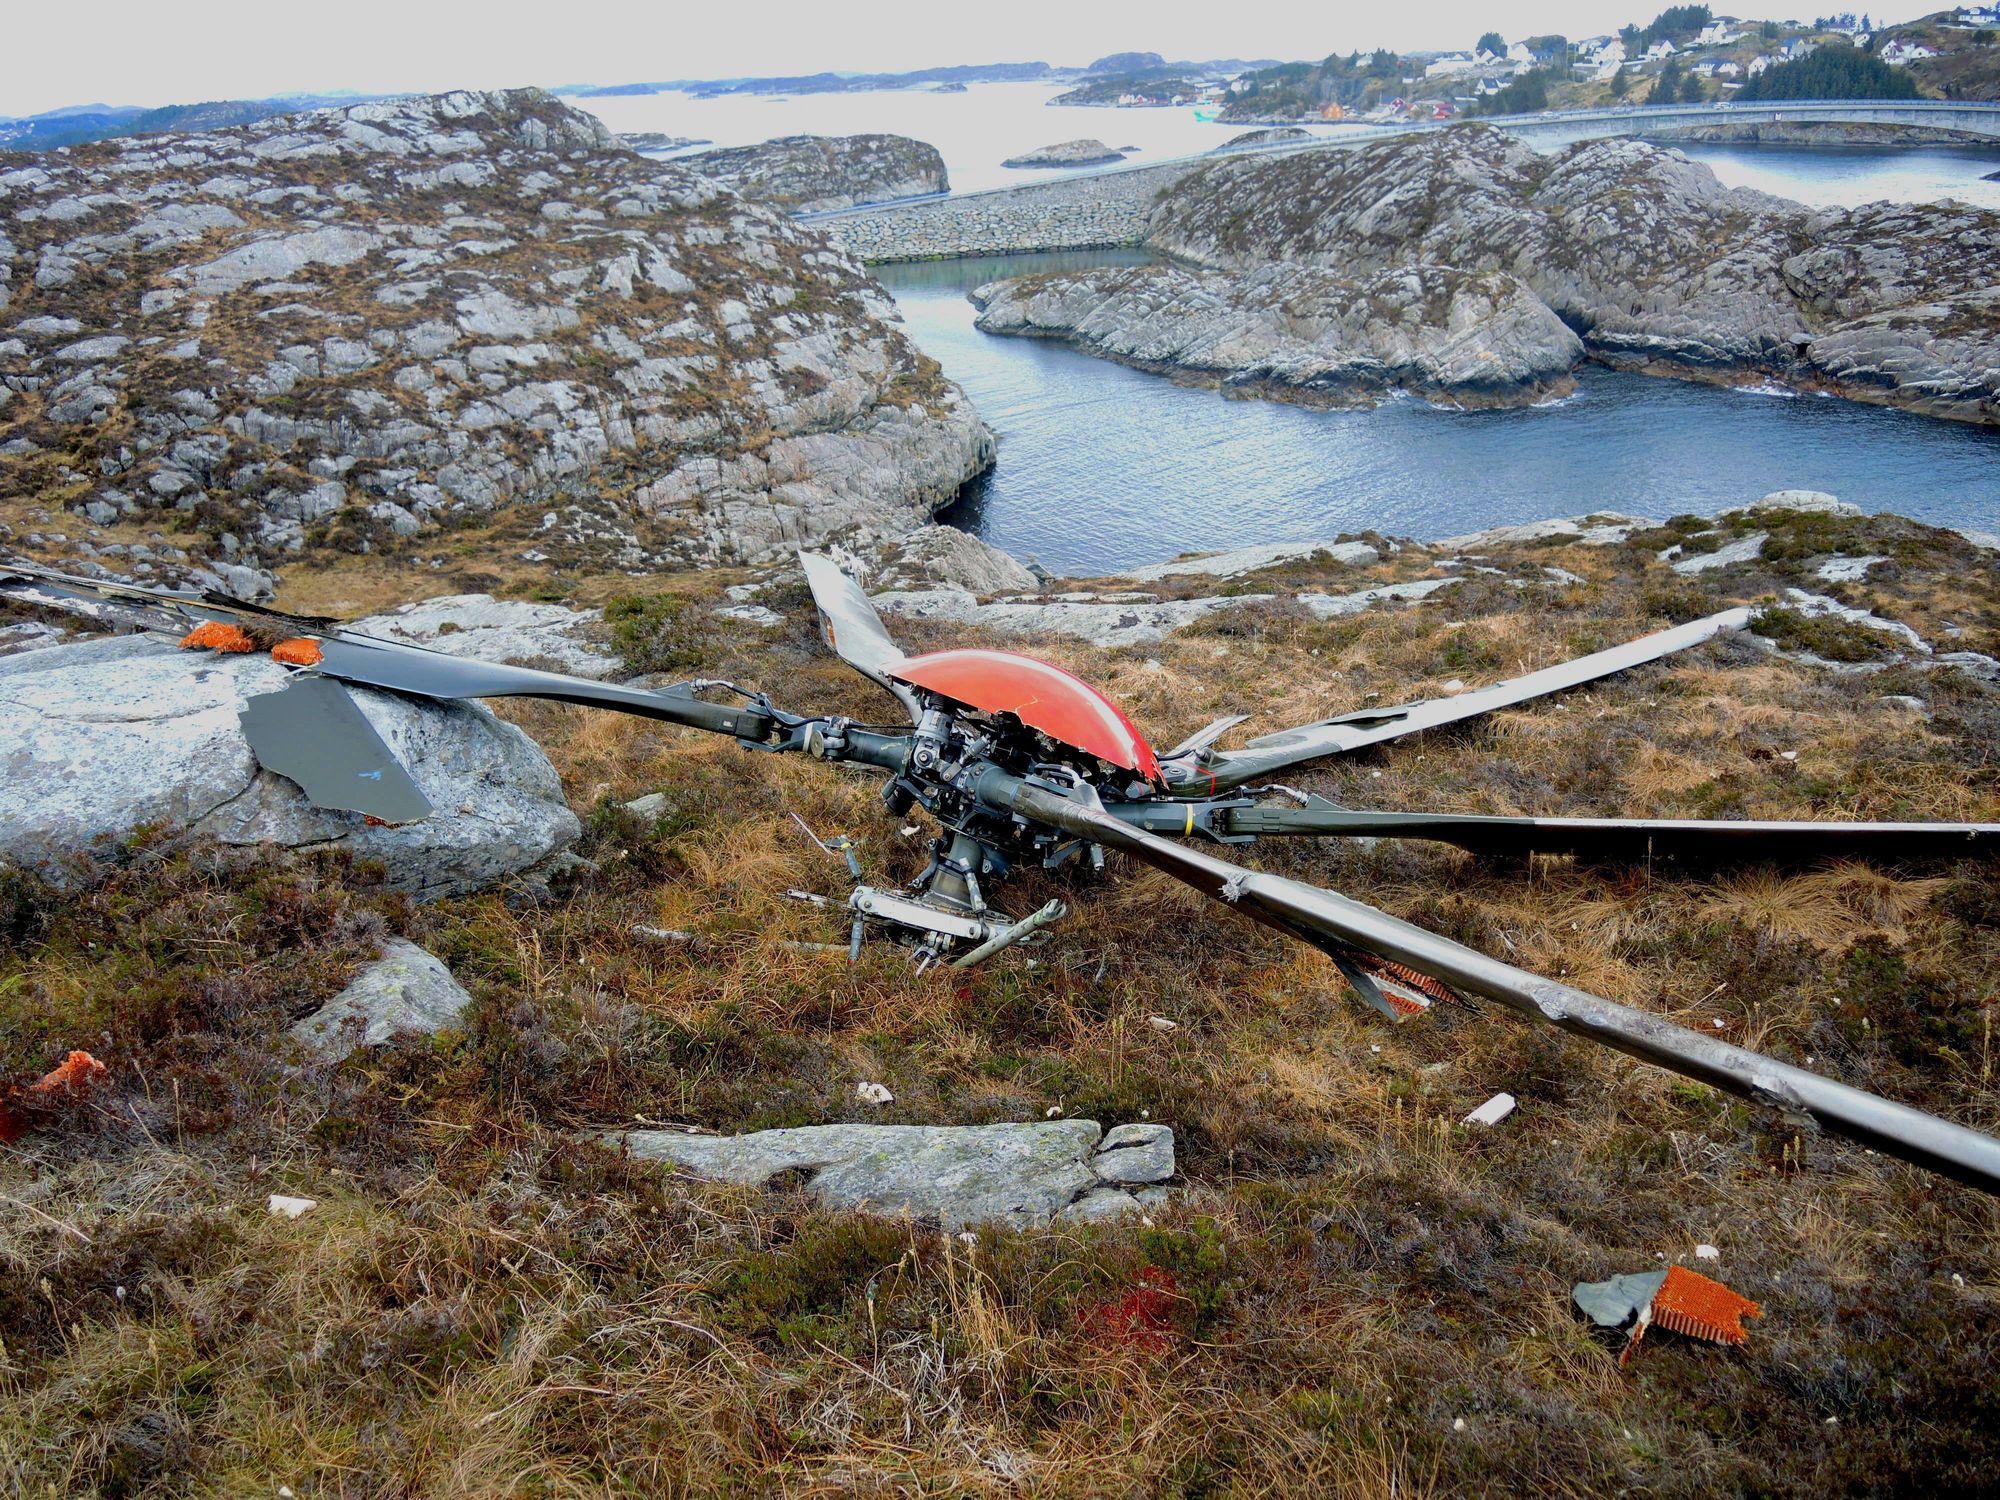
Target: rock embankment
x=818, y=173
x=1654, y=263
x=1088, y=213
x=1299, y=333
x=1079, y=153
x=348, y=329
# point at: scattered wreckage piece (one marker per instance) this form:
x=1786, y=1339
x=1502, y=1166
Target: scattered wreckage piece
x=1677, y=1299
x=28, y=1106
x=1021, y=763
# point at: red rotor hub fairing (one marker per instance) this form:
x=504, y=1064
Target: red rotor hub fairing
x=1063, y=706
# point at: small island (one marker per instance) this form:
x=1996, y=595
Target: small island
x=1085, y=153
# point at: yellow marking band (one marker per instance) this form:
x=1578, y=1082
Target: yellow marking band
x=1190, y=823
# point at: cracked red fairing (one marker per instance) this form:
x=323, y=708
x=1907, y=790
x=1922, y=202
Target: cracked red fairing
x=1064, y=707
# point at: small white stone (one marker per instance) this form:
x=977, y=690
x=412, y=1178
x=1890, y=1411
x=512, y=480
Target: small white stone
x=1454, y=686
x=289, y=1208
x=1707, y=1252
x=1161, y=1023
x=1718, y=1023
x=1458, y=1424
x=1956, y=1280
x=1493, y=1111
x=1788, y=755
x=874, y=1093
x=1052, y=1111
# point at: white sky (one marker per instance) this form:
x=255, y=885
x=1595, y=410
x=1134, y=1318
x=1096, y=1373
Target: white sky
x=147, y=52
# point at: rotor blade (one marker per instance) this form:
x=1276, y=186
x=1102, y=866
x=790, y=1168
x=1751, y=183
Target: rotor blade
x=1202, y=738
x=1717, y=839
x=1337, y=925
x=395, y=665
x=1373, y=726
x=311, y=731
x=852, y=628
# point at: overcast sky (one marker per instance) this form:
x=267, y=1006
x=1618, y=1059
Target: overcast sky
x=147, y=52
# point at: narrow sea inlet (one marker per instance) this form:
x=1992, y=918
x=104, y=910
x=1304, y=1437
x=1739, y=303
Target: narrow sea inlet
x=1103, y=467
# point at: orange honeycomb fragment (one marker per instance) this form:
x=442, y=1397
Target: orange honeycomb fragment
x=217, y=635
x=1688, y=1302
x=300, y=651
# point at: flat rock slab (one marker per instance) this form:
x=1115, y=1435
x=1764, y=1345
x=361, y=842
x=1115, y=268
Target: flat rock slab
x=1240, y=560
x=406, y=991
x=1086, y=617
x=1022, y=1176
x=102, y=738
x=500, y=630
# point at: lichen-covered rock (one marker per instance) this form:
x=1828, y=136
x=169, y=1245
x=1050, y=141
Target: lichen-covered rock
x=345, y=329
x=503, y=630
x=1022, y=1176
x=817, y=173
x=1305, y=334
x=1643, y=252
x=946, y=557
x=405, y=992
x=104, y=739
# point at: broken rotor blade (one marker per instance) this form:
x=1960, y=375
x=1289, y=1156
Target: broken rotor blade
x=1626, y=839
x=1336, y=924
x=398, y=666
x=853, y=629
x=311, y=731
x=1373, y=726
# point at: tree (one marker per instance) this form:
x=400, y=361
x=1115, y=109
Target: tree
x=1835, y=71
x=1620, y=83
x=1492, y=42
x=1667, y=84
x=1692, y=92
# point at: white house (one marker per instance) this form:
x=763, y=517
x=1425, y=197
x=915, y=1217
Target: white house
x=1979, y=15
x=1659, y=49
x=1760, y=65
x=1717, y=34
x=1901, y=51
x=1799, y=47
x=1520, y=53
x=1450, y=63
x=1729, y=70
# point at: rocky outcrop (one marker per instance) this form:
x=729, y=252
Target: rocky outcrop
x=405, y=992
x=106, y=738
x=1080, y=153
x=1652, y=261
x=1463, y=338
x=817, y=173
x=1021, y=1176
x=657, y=140
x=1270, y=136
x=349, y=328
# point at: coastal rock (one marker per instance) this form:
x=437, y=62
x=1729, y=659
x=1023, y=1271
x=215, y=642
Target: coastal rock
x=1240, y=560
x=1810, y=502
x=1598, y=529
x=1304, y=334
x=405, y=992
x=1079, y=153
x=1267, y=137
x=347, y=329
x=945, y=557
x=1020, y=1176
x=1654, y=263
x=103, y=738
x=818, y=173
